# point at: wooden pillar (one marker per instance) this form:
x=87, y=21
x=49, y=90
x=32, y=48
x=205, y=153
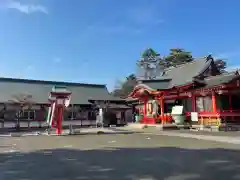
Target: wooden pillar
x=214, y=104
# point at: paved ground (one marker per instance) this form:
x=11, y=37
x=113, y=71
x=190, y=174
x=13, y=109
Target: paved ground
x=116, y=157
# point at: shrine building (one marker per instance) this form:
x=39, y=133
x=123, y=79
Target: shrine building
x=85, y=99
x=198, y=86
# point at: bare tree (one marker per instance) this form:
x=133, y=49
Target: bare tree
x=22, y=100
x=2, y=113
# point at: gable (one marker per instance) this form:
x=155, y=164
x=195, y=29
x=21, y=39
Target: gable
x=212, y=70
x=156, y=84
x=185, y=73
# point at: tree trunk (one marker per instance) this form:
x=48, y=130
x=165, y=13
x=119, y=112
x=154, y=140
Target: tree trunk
x=18, y=119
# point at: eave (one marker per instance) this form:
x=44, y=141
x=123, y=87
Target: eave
x=146, y=89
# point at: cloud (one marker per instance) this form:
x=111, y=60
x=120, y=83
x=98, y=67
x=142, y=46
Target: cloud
x=24, y=8
x=57, y=60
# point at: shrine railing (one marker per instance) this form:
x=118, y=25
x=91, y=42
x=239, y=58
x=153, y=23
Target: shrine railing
x=225, y=115
x=218, y=113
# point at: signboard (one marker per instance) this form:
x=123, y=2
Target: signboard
x=177, y=110
x=60, y=89
x=194, y=116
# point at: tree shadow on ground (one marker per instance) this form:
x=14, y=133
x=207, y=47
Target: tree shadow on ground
x=168, y=163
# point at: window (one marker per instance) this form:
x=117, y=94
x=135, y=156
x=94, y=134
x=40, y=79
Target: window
x=25, y=114
x=31, y=114
x=71, y=115
x=91, y=115
x=28, y=114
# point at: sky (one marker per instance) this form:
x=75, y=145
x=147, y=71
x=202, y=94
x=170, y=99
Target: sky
x=99, y=41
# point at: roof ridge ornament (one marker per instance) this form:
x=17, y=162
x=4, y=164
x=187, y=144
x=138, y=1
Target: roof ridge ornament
x=209, y=57
x=237, y=72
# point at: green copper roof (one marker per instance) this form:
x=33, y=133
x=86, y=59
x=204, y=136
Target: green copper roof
x=180, y=75
x=149, y=52
x=39, y=90
x=160, y=84
x=184, y=74
x=220, y=79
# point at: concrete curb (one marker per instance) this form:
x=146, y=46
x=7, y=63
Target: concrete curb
x=90, y=133
x=67, y=133
x=19, y=135
x=5, y=135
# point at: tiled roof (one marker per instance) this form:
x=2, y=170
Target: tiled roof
x=185, y=73
x=130, y=99
x=39, y=90
x=179, y=75
x=220, y=79
x=118, y=106
x=160, y=84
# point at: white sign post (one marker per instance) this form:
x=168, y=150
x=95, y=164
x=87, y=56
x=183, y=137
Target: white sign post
x=194, y=116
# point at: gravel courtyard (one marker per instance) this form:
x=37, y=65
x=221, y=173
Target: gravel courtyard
x=116, y=157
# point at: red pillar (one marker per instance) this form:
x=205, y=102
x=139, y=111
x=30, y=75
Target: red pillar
x=145, y=111
x=230, y=101
x=162, y=109
x=193, y=103
x=59, y=119
x=230, y=105
x=214, y=104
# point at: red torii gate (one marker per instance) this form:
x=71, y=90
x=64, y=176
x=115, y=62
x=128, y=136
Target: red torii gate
x=59, y=98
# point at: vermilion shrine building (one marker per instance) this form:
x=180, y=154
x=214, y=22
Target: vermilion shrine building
x=198, y=86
